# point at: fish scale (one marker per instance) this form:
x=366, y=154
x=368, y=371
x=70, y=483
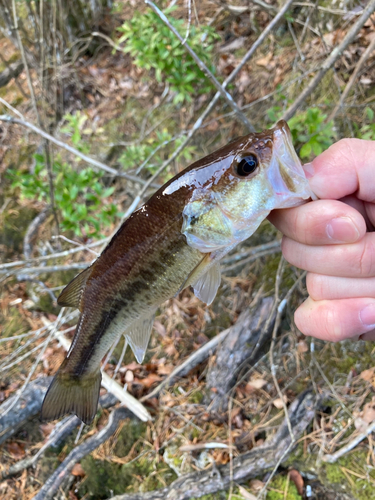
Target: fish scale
x=175, y=240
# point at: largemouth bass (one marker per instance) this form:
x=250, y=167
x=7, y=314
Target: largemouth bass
x=176, y=239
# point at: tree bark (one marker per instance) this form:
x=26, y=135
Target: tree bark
x=12, y=71
x=244, y=345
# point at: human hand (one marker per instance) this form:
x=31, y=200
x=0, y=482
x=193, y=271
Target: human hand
x=333, y=239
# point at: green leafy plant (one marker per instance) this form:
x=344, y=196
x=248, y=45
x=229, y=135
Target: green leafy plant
x=367, y=130
x=311, y=134
x=154, y=150
x=81, y=198
x=154, y=46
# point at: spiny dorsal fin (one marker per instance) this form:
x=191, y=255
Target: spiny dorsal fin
x=72, y=293
x=66, y=394
x=205, y=288
x=138, y=335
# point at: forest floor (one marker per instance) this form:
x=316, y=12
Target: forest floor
x=107, y=107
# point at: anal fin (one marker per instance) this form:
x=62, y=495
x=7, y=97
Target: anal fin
x=72, y=293
x=66, y=394
x=139, y=333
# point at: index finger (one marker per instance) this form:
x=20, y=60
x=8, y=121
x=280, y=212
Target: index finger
x=347, y=167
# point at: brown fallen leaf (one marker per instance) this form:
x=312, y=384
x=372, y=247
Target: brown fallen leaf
x=278, y=403
x=368, y=375
x=264, y=61
x=165, y=369
x=256, y=383
x=150, y=380
x=78, y=470
x=256, y=485
x=15, y=450
x=297, y=479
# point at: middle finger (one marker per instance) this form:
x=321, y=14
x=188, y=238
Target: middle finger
x=356, y=260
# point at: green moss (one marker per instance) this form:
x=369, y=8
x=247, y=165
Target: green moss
x=340, y=358
x=105, y=478
x=196, y=397
x=279, y=482
x=334, y=474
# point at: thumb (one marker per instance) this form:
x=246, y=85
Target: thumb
x=347, y=167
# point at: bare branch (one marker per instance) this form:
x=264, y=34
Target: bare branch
x=330, y=61
x=63, y=145
x=249, y=465
x=352, y=79
x=228, y=98
x=12, y=71
x=348, y=447
x=216, y=97
x=54, y=482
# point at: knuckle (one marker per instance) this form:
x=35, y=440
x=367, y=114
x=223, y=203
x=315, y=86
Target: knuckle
x=366, y=261
x=315, y=285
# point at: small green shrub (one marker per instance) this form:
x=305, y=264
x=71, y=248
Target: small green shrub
x=154, y=46
x=367, y=130
x=311, y=135
x=80, y=196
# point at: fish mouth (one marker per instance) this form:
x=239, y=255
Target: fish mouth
x=287, y=176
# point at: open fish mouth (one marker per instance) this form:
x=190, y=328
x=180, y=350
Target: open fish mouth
x=286, y=174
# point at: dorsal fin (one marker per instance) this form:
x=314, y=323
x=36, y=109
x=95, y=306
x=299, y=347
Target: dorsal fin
x=72, y=293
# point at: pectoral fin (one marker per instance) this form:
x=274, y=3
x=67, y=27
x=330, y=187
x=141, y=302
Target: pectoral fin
x=72, y=293
x=138, y=335
x=205, y=287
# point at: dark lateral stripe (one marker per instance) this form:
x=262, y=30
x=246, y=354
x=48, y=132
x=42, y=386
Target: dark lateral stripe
x=133, y=291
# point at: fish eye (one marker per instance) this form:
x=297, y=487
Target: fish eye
x=247, y=165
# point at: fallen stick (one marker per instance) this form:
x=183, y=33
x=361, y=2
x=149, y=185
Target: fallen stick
x=330, y=61
x=61, y=431
x=331, y=458
x=352, y=79
x=244, y=344
x=191, y=362
x=62, y=473
x=249, y=465
x=27, y=407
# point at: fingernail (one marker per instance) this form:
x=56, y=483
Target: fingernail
x=309, y=170
x=342, y=230
x=367, y=316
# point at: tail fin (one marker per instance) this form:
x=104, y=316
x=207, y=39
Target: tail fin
x=67, y=394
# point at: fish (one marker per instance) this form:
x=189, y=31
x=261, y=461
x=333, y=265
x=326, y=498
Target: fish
x=175, y=240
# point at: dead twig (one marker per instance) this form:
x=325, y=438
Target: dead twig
x=12, y=71
x=352, y=79
x=249, y=465
x=61, y=431
x=198, y=123
x=63, y=145
x=224, y=94
x=330, y=61
x=56, y=255
x=27, y=407
x=348, y=447
x=62, y=473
